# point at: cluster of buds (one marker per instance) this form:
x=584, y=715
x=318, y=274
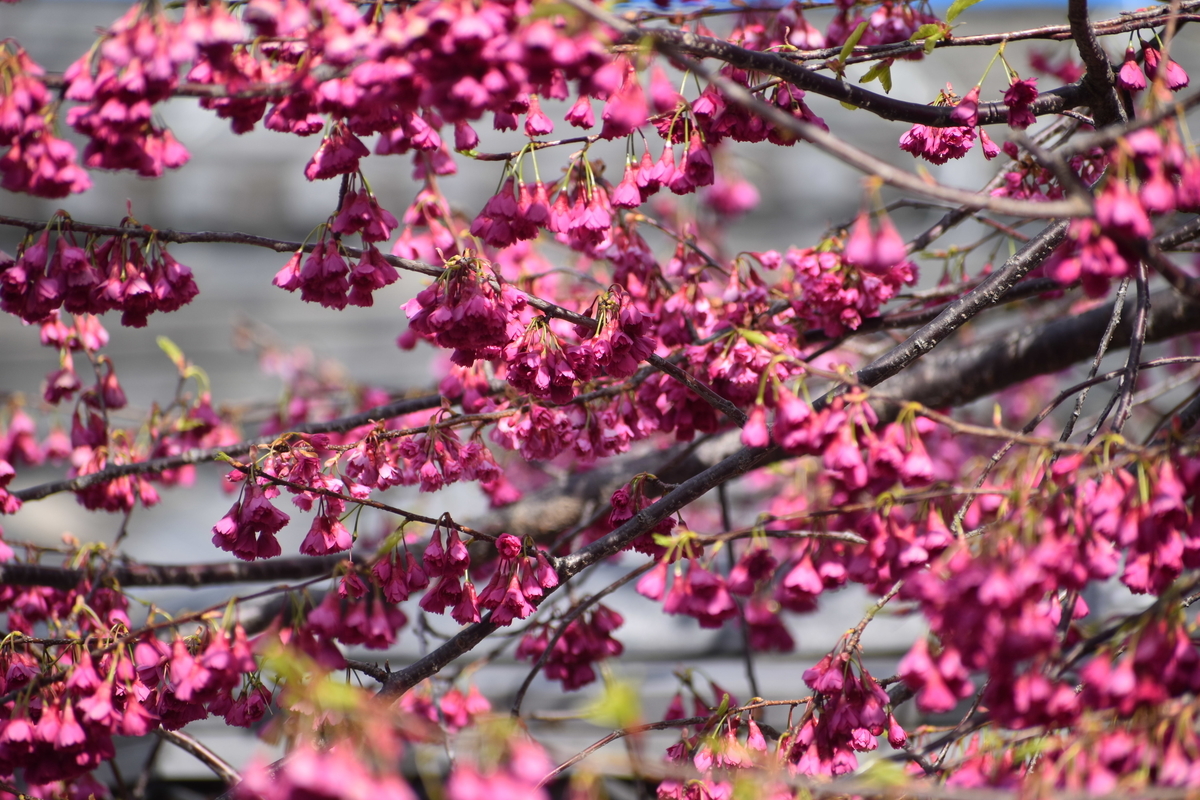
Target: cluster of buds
x=325, y=277
x=355, y=615
x=848, y=712
x=448, y=566
x=248, y=530
x=1133, y=77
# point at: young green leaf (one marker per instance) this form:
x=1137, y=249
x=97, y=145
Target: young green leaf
x=957, y=7
x=852, y=42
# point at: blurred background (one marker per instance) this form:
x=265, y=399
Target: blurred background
x=254, y=183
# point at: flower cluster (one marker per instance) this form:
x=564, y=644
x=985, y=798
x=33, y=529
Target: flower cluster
x=939, y=145
x=464, y=311
x=518, y=583
x=248, y=529
x=448, y=566
x=68, y=731
x=1107, y=247
x=830, y=293
x=136, y=66
x=325, y=277
x=698, y=593
x=37, y=162
x=846, y=715
x=585, y=641
x=353, y=616
x=1132, y=76
x=120, y=273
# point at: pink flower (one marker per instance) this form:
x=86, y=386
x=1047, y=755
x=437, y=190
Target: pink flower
x=626, y=109
x=1019, y=96
x=248, y=530
x=1173, y=75
x=1130, y=76
x=966, y=113
x=362, y=214
x=326, y=535
x=537, y=123
x=338, y=154
x=754, y=432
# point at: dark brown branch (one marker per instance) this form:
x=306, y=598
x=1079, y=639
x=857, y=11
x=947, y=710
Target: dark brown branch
x=1100, y=91
x=1182, y=282
x=1125, y=23
x=271, y=570
x=955, y=376
x=990, y=113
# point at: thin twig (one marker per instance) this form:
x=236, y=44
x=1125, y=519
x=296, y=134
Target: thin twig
x=190, y=745
x=1136, y=341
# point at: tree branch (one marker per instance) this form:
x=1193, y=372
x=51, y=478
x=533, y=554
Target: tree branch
x=276, y=569
x=200, y=751
x=960, y=311
x=684, y=494
x=1100, y=90
x=957, y=376
x=990, y=113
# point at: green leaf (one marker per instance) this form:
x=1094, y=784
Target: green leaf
x=931, y=42
x=754, y=337
x=957, y=7
x=925, y=31
x=881, y=70
x=885, y=774
x=173, y=352
x=618, y=707
x=850, y=44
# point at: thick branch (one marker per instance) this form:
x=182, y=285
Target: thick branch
x=956, y=376
x=127, y=575
x=1099, y=88
x=990, y=113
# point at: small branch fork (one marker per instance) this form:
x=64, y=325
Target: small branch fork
x=670, y=44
